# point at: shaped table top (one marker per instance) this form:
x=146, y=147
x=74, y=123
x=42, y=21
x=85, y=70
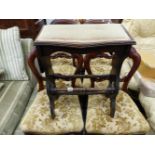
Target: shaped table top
x=85, y=35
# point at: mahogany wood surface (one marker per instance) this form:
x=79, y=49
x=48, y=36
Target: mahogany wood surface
x=29, y=28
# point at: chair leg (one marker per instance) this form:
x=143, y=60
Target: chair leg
x=51, y=84
x=52, y=106
x=112, y=106
x=112, y=100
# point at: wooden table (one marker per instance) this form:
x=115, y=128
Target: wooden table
x=83, y=42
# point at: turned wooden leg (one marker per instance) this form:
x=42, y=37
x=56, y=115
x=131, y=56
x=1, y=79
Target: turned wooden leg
x=117, y=61
x=112, y=99
x=112, y=105
x=52, y=104
x=134, y=55
x=50, y=83
x=31, y=62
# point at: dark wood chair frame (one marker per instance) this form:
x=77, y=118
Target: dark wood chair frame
x=65, y=21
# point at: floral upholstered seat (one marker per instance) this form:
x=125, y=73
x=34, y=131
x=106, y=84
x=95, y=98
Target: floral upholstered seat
x=68, y=118
x=127, y=120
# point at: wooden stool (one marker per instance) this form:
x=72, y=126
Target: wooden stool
x=83, y=39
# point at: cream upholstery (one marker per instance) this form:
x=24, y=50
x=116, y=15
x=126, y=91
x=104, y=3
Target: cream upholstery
x=64, y=66
x=128, y=119
x=138, y=26
x=98, y=66
x=143, y=31
x=147, y=87
x=148, y=104
x=144, y=34
x=103, y=66
x=147, y=99
x=68, y=116
x=81, y=34
x=67, y=108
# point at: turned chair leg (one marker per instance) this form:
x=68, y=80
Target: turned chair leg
x=112, y=106
x=112, y=100
x=51, y=97
x=52, y=105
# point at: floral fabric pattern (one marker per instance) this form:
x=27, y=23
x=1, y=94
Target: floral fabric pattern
x=68, y=116
x=127, y=120
x=99, y=66
x=64, y=66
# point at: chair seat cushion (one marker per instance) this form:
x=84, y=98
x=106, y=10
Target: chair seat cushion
x=14, y=97
x=145, y=44
x=148, y=104
x=143, y=35
x=147, y=87
x=38, y=118
x=128, y=119
x=140, y=27
x=83, y=35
